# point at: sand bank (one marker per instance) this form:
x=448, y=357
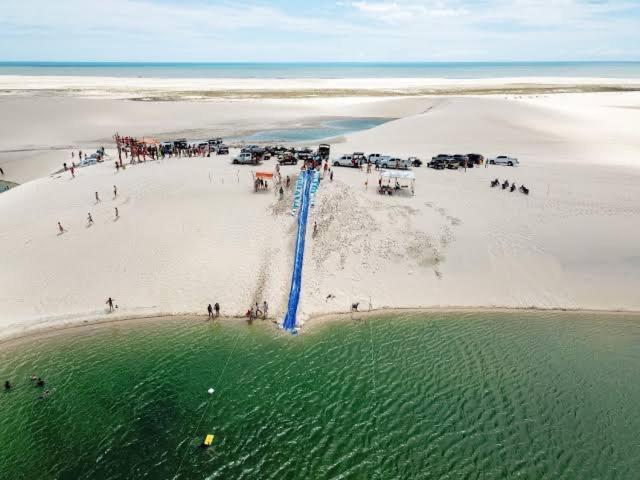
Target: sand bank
x=168, y=89
x=191, y=231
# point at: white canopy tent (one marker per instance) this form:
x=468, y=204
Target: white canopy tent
x=399, y=176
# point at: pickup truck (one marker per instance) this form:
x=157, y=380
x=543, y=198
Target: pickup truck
x=504, y=160
x=394, y=162
x=437, y=164
x=244, y=159
x=288, y=159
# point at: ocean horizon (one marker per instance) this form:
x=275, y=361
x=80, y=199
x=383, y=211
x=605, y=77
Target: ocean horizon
x=325, y=70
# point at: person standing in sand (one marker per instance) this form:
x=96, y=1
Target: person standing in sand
x=110, y=303
x=73, y=174
x=60, y=227
x=115, y=192
x=97, y=198
x=331, y=175
x=210, y=311
x=89, y=218
x=265, y=309
x=117, y=213
x=216, y=307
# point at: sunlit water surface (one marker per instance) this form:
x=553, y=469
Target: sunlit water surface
x=485, y=395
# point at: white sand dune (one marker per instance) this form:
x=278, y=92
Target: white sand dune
x=192, y=231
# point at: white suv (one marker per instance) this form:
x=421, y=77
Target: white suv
x=504, y=160
x=394, y=162
x=344, y=161
x=243, y=159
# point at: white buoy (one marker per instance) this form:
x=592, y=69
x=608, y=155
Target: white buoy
x=211, y=390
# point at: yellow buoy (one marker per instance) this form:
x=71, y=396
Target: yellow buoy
x=208, y=440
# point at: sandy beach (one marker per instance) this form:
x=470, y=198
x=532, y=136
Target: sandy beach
x=191, y=231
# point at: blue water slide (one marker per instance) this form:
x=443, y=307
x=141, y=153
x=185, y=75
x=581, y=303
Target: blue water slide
x=296, y=277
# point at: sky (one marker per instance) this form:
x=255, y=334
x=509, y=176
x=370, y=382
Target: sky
x=319, y=30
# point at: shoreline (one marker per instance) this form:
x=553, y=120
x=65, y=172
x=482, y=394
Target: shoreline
x=310, y=324
x=154, y=89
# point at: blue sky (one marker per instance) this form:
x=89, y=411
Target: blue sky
x=322, y=30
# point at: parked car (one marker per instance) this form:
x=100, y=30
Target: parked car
x=181, y=143
x=345, y=161
x=438, y=163
x=475, y=158
x=257, y=149
x=304, y=156
x=166, y=147
x=288, y=159
x=324, y=150
x=278, y=150
x=504, y=160
x=374, y=158
x=394, y=162
x=222, y=149
x=359, y=158
x=214, y=142
x=245, y=158
x=415, y=161
x=454, y=163
x=443, y=157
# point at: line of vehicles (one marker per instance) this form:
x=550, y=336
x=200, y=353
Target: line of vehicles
x=357, y=159
x=214, y=145
x=439, y=162
x=254, y=154
x=453, y=162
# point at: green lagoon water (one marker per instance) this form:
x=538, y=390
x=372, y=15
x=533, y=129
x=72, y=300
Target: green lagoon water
x=485, y=395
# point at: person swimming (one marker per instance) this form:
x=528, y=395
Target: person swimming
x=40, y=382
x=7, y=385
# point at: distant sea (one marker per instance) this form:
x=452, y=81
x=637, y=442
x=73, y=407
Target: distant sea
x=453, y=70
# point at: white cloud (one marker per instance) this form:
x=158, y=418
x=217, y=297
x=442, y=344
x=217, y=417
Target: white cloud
x=410, y=30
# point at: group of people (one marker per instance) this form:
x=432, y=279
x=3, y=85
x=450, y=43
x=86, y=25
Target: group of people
x=255, y=312
x=37, y=381
x=260, y=184
x=81, y=156
x=511, y=187
x=211, y=310
x=89, y=216
x=139, y=150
